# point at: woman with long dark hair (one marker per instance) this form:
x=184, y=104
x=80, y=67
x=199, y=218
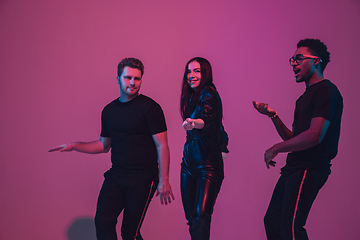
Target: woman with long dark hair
x=202, y=170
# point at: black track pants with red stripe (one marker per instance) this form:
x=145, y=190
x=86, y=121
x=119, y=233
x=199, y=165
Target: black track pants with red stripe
x=291, y=202
x=122, y=194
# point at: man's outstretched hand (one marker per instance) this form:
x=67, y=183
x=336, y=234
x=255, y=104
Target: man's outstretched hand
x=62, y=148
x=264, y=108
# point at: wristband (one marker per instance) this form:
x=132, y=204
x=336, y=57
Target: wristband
x=274, y=116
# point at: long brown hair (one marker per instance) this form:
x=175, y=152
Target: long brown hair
x=187, y=92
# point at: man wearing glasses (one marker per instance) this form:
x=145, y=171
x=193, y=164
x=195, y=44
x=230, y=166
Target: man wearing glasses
x=311, y=144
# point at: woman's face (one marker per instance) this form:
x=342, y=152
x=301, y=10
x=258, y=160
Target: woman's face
x=194, y=75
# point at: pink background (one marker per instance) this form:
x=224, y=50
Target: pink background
x=58, y=70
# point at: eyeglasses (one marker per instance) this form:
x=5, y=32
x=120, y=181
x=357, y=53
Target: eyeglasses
x=299, y=58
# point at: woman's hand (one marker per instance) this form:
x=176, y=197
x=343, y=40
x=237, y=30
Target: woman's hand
x=188, y=124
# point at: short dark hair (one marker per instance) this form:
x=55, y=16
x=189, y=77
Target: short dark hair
x=130, y=62
x=318, y=49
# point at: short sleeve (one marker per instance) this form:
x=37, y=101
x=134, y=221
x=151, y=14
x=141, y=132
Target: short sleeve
x=325, y=103
x=104, y=127
x=155, y=119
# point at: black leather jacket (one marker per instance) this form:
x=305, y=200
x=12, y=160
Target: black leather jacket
x=203, y=147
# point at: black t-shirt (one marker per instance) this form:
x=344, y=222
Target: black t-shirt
x=130, y=125
x=322, y=99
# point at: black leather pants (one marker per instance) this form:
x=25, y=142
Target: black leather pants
x=199, y=194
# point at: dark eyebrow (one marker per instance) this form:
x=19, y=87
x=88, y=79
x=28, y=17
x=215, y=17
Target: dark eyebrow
x=195, y=69
x=131, y=76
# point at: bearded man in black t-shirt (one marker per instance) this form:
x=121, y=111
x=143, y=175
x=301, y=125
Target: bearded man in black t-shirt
x=133, y=127
x=312, y=143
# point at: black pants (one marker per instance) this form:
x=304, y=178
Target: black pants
x=117, y=194
x=291, y=202
x=199, y=194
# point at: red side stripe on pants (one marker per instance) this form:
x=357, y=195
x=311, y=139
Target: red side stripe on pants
x=296, y=206
x=147, y=202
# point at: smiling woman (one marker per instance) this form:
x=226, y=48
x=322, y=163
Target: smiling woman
x=194, y=75
x=202, y=170
x=58, y=70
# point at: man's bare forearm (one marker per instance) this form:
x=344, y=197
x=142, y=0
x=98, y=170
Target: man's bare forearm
x=283, y=131
x=93, y=147
x=164, y=162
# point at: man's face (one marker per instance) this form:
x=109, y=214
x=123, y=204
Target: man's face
x=130, y=82
x=305, y=69
x=194, y=75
